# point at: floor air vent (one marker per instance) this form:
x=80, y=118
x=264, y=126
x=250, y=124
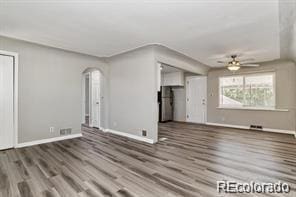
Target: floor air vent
x=256, y=127
x=65, y=131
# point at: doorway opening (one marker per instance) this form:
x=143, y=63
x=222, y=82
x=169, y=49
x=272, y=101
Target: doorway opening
x=91, y=94
x=170, y=78
x=182, y=95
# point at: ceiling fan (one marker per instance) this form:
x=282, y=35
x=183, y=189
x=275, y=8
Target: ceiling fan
x=235, y=64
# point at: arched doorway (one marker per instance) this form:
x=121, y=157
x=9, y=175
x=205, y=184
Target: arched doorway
x=91, y=94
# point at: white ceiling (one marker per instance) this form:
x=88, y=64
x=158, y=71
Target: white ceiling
x=205, y=30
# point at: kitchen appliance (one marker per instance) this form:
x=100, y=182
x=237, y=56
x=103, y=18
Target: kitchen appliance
x=166, y=104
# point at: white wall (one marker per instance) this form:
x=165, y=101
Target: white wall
x=133, y=93
x=50, y=88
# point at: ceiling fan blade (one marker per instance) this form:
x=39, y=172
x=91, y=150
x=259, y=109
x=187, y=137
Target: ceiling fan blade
x=250, y=65
x=221, y=62
x=247, y=60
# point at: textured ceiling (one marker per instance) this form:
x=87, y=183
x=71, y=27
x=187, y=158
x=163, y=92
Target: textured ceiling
x=206, y=30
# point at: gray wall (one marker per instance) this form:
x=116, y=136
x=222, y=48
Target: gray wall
x=50, y=88
x=133, y=93
x=285, y=99
x=133, y=88
x=179, y=103
x=179, y=60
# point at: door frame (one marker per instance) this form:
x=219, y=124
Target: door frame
x=92, y=101
x=15, y=93
x=206, y=99
x=90, y=105
x=83, y=97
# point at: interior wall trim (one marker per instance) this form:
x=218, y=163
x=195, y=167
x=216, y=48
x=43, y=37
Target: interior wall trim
x=248, y=128
x=54, y=139
x=135, y=137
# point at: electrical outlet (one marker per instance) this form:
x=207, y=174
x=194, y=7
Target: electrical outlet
x=114, y=124
x=51, y=129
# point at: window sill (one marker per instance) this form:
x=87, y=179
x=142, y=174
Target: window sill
x=253, y=109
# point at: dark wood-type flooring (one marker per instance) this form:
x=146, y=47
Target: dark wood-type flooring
x=188, y=163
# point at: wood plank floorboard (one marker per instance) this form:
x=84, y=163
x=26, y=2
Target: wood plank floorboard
x=188, y=163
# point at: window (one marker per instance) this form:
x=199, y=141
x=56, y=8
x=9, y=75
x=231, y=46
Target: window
x=248, y=91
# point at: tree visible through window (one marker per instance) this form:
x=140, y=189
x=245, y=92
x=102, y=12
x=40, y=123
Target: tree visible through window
x=254, y=91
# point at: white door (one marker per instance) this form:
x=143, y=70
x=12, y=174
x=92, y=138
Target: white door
x=86, y=98
x=196, y=99
x=95, y=95
x=6, y=102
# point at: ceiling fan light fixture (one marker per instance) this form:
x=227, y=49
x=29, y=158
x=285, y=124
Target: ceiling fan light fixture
x=234, y=64
x=233, y=67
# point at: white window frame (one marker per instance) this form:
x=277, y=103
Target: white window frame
x=244, y=77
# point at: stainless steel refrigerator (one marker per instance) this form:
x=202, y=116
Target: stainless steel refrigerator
x=166, y=104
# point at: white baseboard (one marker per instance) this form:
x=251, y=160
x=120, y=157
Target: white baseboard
x=103, y=129
x=246, y=127
x=55, y=139
x=143, y=139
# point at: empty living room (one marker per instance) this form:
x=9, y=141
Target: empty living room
x=147, y=98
